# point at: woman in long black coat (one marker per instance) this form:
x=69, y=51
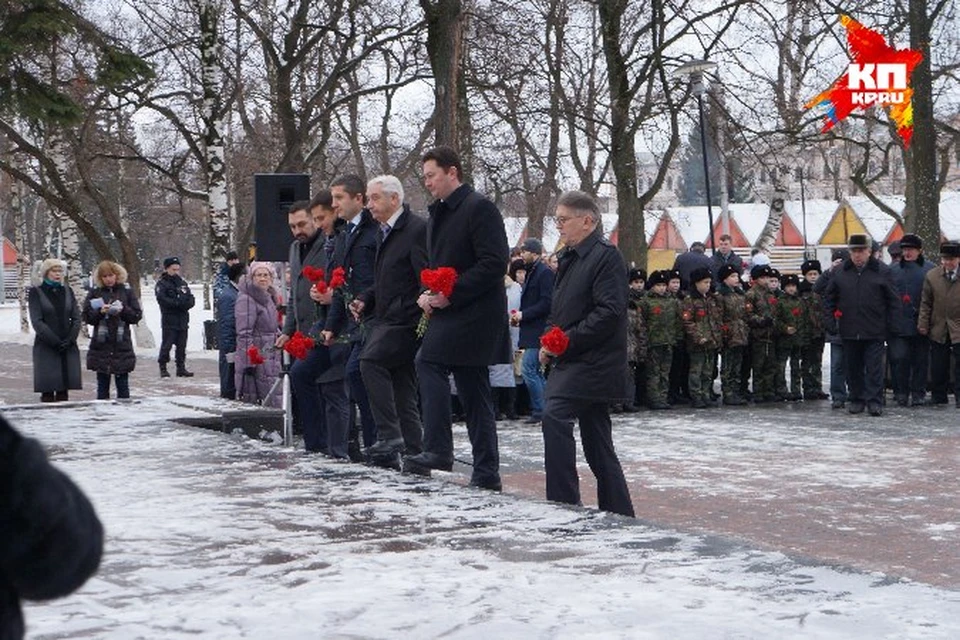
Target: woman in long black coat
x=111, y=307
x=55, y=316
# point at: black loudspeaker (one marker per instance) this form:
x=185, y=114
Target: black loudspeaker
x=273, y=193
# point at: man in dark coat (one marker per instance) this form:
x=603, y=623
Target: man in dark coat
x=227, y=331
x=317, y=380
x=355, y=252
x=50, y=538
x=725, y=256
x=389, y=308
x=862, y=301
x=175, y=300
x=468, y=331
x=693, y=259
x=910, y=349
x=590, y=307
x=532, y=320
x=838, y=377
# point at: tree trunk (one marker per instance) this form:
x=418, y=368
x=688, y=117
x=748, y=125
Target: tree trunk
x=623, y=157
x=768, y=237
x=444, y=39
x=23, y=256
x=922, y=210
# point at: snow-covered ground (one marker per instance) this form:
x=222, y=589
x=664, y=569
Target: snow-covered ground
x=218, y=536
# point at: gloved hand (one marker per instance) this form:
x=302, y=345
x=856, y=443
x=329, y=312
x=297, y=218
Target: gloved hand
x=115, y=307
x=63, y=346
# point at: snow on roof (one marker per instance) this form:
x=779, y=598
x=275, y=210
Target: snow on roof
x=819, y=213
x=877, y=222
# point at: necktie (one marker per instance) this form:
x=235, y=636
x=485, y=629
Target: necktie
x=350, y=227
x=384, y=231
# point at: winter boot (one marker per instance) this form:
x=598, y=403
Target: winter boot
x=183, y=373
x=163, y=371
x=510, y=400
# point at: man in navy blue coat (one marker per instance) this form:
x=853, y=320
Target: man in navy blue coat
x=909, y=348
x=531, y=317
x=468, y=331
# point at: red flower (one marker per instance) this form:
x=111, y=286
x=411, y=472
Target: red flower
x=254, y=357
x=657, y=311
x=298, y=345
x=838, y=314
x=555, y=341
x=906, y=298
x=701, y=313
x=313, y=274
x=724, y=327
x=439, y=280
x=772, y=301
x=338, y=278
x=795, y=311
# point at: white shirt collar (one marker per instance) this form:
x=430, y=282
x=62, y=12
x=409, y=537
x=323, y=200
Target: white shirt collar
x=392, y=221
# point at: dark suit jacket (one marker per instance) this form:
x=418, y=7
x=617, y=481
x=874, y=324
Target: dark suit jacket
x=301, y=309
x=356, y=252
x=590, y=305
x=391, y=303
x=466, y=232
x=535, y=304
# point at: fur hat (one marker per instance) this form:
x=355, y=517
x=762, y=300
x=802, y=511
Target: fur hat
x=637, y=274
x=950, y=249
x=894, y=249
x=172, y=260
x=911, y=241
x=810, y=265
x=700, y=273
x=255, y=266
x=48, y=264
x=672, y=274
x=725, y=272
x=790, y=278
x=761, y=271
x=657, y=277
x=774, y=273
x=860, y=241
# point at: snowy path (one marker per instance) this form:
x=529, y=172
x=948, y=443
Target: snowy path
x=218, y=536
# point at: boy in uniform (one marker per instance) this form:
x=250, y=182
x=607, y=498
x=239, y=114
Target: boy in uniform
x=811, y=357
x=760, y=306
x=661, y=317
x=735, y=333
x=701, y=316
x=791, y=335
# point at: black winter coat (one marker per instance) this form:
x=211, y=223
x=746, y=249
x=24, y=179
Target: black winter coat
x=909, y=277
x=111, y=348
x=867, y=301
x=590, y=305
x=687, y=262
x=535, y=302
x=391, y=309
x=175, y=300
x=50, y=538
x=466, y=232
x=227, y=318
x=55, y=368
x=356, y=253
x=302, y=312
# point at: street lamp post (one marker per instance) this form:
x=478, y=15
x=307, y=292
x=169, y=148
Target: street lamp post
x=695, y=69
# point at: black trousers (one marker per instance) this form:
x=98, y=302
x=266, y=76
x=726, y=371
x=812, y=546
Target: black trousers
x=176, y=338
x=864, y=370
x=473, y=389
x=560, y=454
x=392, y=393
x=940, y=370
x=911, y=354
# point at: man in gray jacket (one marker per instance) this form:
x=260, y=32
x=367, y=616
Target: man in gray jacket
x=590, y=306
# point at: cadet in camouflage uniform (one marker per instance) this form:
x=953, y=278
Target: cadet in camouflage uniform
x=760, y=306
x=790, y=323
x=677, y=391
x=735, y=331
x=662, y=319
x=636, y=340
x=811, y=357
x=701, y=317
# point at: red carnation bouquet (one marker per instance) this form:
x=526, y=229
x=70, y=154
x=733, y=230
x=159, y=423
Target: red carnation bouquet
x=317, y=276
x=299, y=345
x=338, y=278
x=555, y=341
x=437, y=281
x=254, y=357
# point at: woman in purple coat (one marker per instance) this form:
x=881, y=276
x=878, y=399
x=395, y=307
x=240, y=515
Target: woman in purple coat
x=257, y=326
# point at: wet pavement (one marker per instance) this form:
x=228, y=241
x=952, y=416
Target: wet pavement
x=787, y=521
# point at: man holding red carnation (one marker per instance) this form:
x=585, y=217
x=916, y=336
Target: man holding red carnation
x=467, y=330
x=590, y=309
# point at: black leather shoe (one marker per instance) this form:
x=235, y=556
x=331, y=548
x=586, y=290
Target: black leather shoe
x=183, y=373
x=875, y=409
x=837, y=404
x=431, y=461
x=385, y=447
x=164, y=373
x=856, y=407
x=414, y=469
x=388, y=461
x=489, y=485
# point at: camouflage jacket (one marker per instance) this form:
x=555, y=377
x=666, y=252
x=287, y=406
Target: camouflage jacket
x=761, y=305
x=702, y=318
x=812, y=311
x=790, y=313
x=661, y=316
x=733, y=305
x=636, y=329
